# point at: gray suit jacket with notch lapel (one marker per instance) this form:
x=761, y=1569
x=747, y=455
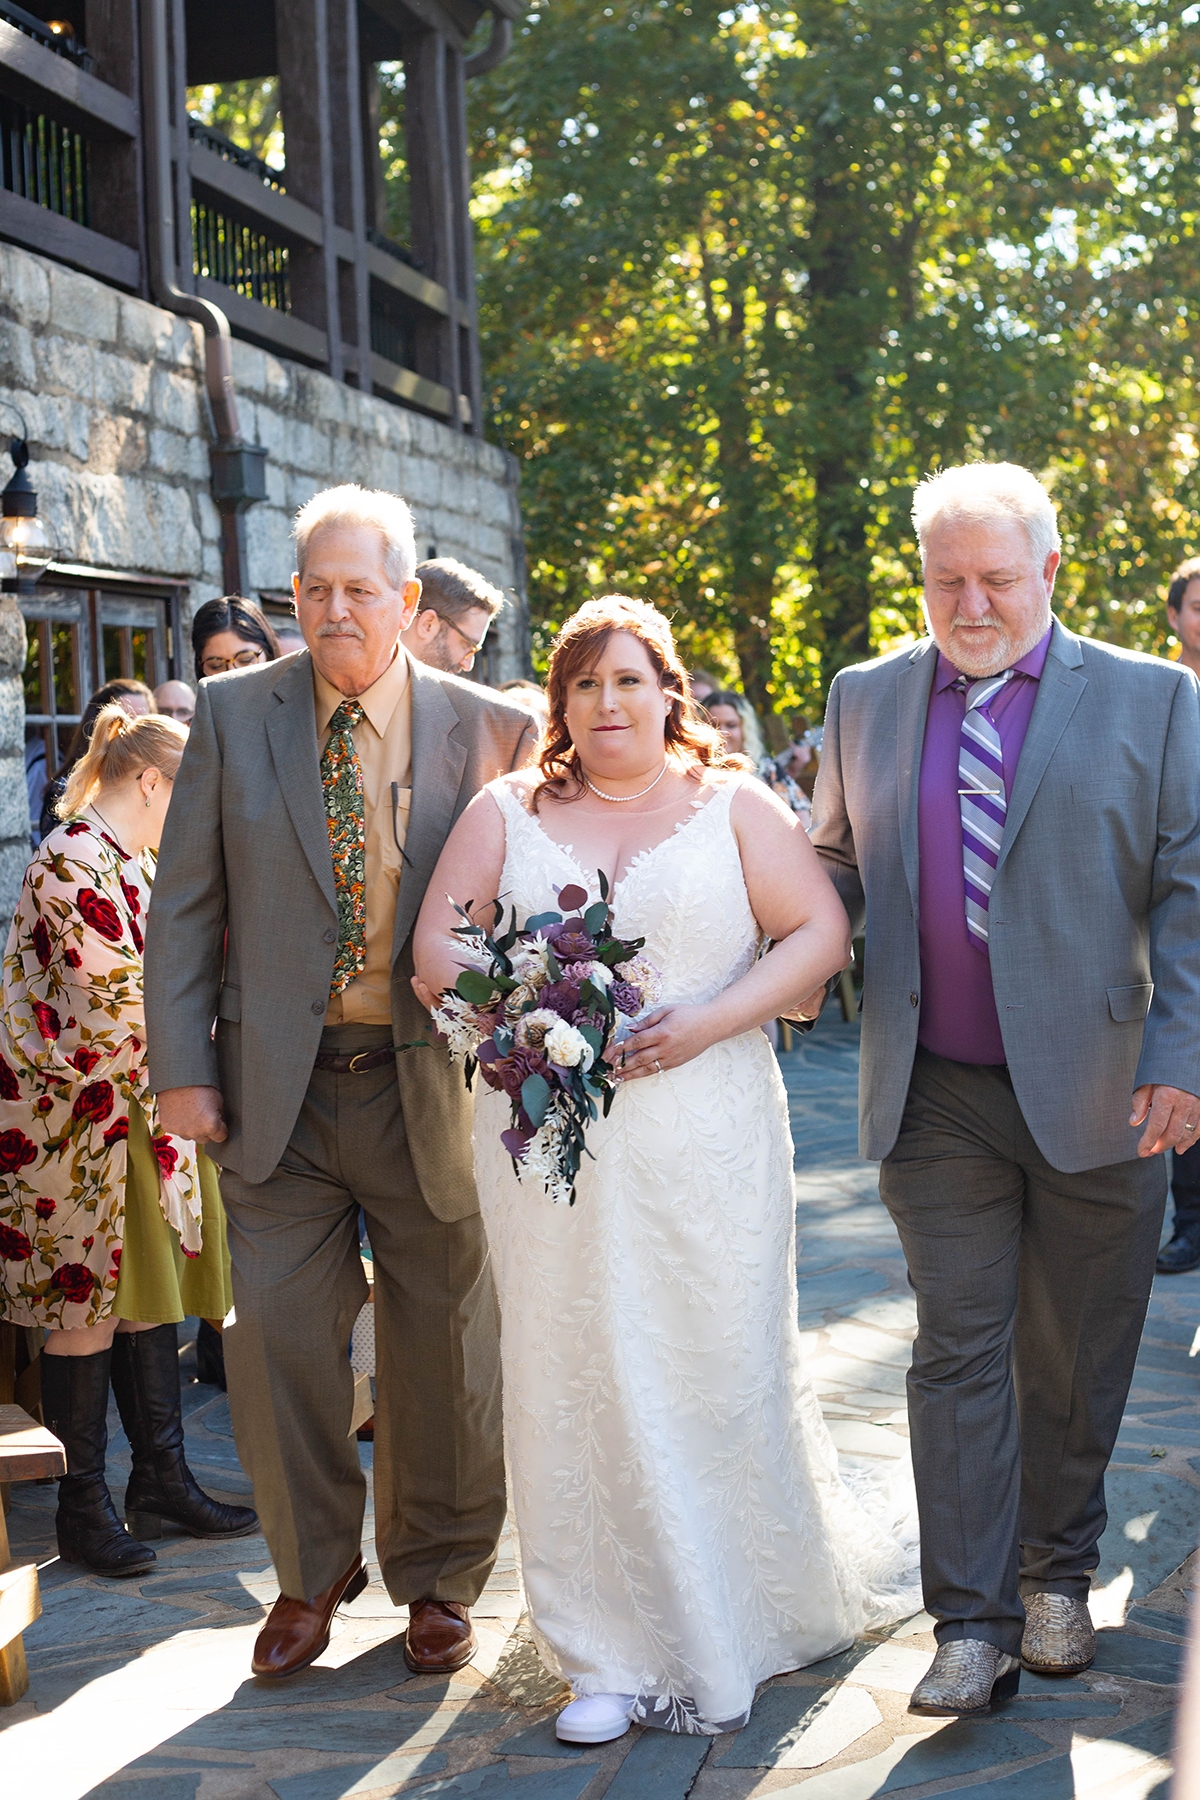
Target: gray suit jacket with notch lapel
x=1095, y=912
x=243, y=918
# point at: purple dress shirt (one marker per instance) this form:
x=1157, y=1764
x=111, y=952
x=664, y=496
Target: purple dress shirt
x=958, y=1009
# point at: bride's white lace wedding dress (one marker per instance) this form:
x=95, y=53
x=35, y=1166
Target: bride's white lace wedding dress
x=684, y=1533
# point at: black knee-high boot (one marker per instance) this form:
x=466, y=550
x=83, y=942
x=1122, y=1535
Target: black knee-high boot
x=162, y=1489
x=74, y=1406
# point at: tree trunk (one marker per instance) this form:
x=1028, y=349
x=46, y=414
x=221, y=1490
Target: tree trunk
x=844, y=328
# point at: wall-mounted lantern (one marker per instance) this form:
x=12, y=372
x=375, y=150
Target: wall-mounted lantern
x=26, y=546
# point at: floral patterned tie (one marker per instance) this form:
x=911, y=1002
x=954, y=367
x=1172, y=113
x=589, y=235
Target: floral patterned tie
x=341, y=776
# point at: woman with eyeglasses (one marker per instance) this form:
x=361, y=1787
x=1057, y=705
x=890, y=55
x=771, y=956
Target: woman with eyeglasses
x=231, y=633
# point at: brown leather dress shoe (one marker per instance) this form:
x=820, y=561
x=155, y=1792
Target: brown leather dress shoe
x=297, y=1631
x=440, y=1637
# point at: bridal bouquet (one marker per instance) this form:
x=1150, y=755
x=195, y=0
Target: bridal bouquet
x=535, y=1013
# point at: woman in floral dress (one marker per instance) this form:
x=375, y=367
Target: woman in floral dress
x=110, y=1231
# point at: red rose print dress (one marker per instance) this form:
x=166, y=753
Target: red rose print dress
x=72, y=1057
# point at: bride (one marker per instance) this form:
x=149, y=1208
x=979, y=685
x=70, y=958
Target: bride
x=683, y=1530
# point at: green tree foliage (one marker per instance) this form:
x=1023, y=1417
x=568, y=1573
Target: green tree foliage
x=247, y=112
x=749, y=272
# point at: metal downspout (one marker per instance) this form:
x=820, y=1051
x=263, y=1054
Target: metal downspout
x=498, y=47
x=239, y=475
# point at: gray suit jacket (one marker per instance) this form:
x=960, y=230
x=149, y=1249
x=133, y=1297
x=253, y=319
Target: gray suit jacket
x=243, y=920
x=1095, y=911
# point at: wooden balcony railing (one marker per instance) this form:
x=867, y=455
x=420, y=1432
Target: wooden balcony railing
x=289, y=256
x=239, y=257
x=43, y=161
x=61, y=43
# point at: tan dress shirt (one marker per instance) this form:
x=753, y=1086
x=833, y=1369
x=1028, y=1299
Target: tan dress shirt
x=383, y=744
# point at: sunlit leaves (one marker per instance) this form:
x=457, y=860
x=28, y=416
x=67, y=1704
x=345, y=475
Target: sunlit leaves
x=748, y=273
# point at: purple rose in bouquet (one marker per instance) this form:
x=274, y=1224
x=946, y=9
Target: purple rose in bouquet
x=571, y=943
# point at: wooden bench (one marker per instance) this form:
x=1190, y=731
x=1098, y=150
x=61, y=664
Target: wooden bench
x=27, y=1452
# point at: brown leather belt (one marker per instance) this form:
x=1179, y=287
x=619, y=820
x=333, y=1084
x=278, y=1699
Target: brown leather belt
x=355, y=1065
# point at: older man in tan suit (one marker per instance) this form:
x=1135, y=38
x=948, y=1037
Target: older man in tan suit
x=310, y=808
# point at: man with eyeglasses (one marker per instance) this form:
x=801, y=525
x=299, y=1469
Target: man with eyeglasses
x=457, y=606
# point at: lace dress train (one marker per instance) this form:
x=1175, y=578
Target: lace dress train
x=684, y=1532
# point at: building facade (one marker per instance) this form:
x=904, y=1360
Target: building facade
x=194, y=342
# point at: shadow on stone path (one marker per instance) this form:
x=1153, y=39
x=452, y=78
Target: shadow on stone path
x=140, y=1691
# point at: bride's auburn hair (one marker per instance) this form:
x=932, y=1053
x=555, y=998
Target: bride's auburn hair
x=580, y=644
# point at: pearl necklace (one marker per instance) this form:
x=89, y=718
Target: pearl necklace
x=622, y=799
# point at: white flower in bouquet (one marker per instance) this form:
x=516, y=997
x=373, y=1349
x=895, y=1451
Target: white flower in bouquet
x=567, y=1047
x=532, y=1027
x=459, y=1023
x=641, y=973
x=529, y=968
x=541, y=1165
x=529, y=964
x=473, y=954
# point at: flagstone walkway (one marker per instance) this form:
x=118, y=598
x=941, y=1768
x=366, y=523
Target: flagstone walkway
x=140, y=1692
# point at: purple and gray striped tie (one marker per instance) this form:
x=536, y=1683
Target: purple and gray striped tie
x=981, y=799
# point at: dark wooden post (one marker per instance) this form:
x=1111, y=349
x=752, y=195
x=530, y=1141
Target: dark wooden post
x=431, y=162
x=116, y=186
x=302, y=38
x=185, y=272
x=467, y=326
x=372, y=121
x=345, y=77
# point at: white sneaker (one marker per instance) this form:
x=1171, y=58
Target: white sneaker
x=596, y=1720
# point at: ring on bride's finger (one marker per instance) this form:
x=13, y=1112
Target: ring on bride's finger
x=657, y=1066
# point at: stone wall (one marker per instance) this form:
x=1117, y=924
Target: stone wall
x=112, y=390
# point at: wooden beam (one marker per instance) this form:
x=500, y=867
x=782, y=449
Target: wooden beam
x=278, y=331
x=302, y=33
x=20, y=1602
x=407, y=280
x=28, y=1452
x=49, y=234
x=47, y=82
x=406, y=386
x=280, y=214
x=116, y=167
x=20, y=1605
x=430, y=151
x=371, y=121
x=470, y=378
x=414, y=16
x=345, y=66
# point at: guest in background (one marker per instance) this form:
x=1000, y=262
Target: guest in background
x=35, y=782
x=1182, y=1253
x=133, y=697
x=782, y=775
x=528, y=693
x=175, y=700
x=110, y=1231
x=453, y=615
x=734, y=718
x=231, y=633
x=702, y=685
x=1183, y=612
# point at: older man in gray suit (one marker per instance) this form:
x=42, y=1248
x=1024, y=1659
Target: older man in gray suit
x=1012, y=809
x=310, y=808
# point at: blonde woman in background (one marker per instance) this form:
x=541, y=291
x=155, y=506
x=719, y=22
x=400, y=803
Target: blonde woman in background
x=110, y=1231
x=737, y=722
